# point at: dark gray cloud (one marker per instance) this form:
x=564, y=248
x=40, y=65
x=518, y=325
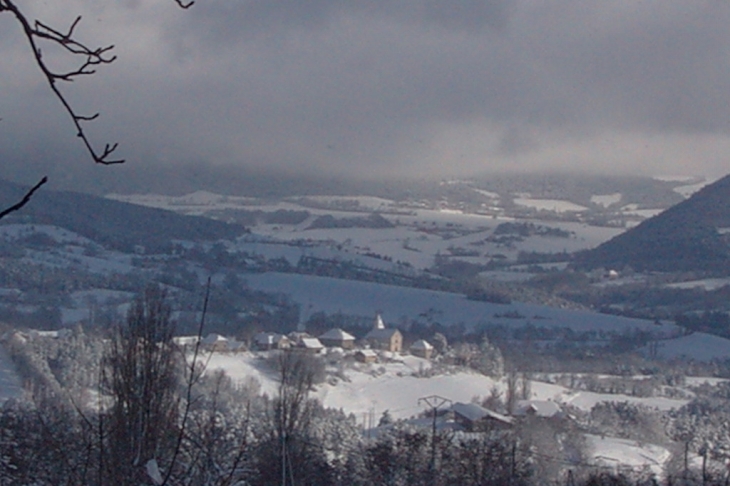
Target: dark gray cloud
x=377, y=87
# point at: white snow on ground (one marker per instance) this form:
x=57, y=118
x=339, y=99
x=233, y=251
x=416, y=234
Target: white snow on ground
x=698, y=346
x=489, y=194
x=397, y=384
x=633, y=210
x=701, y=380
x=194, y=203
x=10, y=383
x=419, y=234
x=606, y=200
x=369, y=203
x=706, y=284
x=587, y=400
x=365, y=298
x=674, y=178
x=375, y=387
x=611, y=451
x=59, y=235
x=690, y=189
x=556, y=205
x=241, y=368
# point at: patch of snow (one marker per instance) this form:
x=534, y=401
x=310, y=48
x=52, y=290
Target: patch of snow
x=611, y=451
x=364, y=298
x=606, y=200
x=706, y=284
x=489, y=194
x=674, y=178
x=697, y=346
x=10, y=382
x=633, y=210
x=690, y=189
x=555, y=205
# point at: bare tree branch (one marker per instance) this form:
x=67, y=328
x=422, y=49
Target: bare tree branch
x=92, y=57
x=25, y=199
x=185, y=5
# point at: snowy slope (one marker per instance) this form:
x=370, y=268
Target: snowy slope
x=612, y=452
x=365, y=299
x=10, y=383
x=395, y=384
x=698, y=346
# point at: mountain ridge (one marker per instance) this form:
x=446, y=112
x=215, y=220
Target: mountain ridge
x=688, y=236
x=123, y=225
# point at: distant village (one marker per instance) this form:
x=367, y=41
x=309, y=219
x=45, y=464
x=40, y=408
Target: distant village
x=379, y=338
x=385, y=343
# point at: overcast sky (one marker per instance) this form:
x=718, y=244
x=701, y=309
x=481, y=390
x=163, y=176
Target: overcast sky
x=365, y=87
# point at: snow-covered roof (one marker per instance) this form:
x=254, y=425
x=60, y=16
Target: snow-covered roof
x=185, y=340
x=474, y=412
x=214, y=338
x=381, y=334
x=268, y=338
x=61, y=333
x=310, y=343
x=421, y=344
x=368, y=353
x=337, y=335
x=541, y=408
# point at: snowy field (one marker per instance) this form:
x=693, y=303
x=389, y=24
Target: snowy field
x=697, y=346
x=418, y=235
x=555, y=205
x=708, y=284
x=606, y=200
x=365, y=299
x=617, y=453
x=395, y=385
x=397, y=382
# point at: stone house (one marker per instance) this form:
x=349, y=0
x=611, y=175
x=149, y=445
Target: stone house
x=366, y=356
x=422, y=349
x=383, y=338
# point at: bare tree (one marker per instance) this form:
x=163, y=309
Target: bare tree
x=290, y=456
x=88, y=59
x=142, y=376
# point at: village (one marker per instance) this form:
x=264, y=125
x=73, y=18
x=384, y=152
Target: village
x=383, y=344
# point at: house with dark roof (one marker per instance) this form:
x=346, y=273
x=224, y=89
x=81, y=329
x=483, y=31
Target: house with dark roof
x=383, y=338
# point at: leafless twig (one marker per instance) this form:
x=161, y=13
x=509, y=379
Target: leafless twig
x=185, y=5
x=92, y=57
x=25, y=199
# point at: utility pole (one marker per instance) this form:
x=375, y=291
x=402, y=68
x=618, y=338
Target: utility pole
x=435, y=402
